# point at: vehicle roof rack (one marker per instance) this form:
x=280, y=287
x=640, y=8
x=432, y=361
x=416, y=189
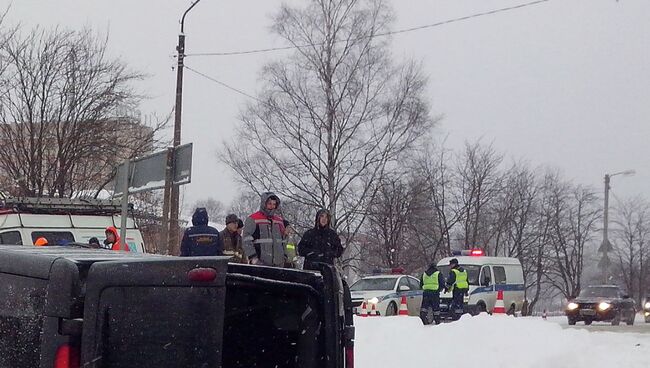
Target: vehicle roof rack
x=46, y=205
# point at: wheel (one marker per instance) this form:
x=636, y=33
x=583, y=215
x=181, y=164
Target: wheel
x=647, y=319
x=617, y=320
x=572, y=321
x=391, y=310
x=481, y=308
x=588, y=322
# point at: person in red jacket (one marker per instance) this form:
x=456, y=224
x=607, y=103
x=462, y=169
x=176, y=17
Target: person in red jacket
x=113, y=240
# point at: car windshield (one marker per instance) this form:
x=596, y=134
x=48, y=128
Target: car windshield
x=380, y=283
x=607, y=292
x=472, y=272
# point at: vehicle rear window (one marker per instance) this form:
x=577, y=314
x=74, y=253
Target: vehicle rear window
x=21, y=320
x=273, y=327
x=54, y=237
x=161, y=326
x=382, y=283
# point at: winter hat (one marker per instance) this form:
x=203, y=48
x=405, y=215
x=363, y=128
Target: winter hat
x=232, y=218
x=453, y=261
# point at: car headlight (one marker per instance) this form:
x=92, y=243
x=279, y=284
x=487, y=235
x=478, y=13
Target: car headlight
x=374, y=300
x=646, y=305
x=604, y=306
x=572, y=306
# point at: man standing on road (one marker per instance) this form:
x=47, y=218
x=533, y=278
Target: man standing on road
x=458, y=285
x=264, y=230
x=201, y=239
x=432, y=282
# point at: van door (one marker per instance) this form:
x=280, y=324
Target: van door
x=161, y=312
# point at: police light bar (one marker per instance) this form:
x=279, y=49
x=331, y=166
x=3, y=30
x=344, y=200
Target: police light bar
x=468, y=252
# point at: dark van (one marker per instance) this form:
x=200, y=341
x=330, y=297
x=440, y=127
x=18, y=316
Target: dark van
x=75, y=307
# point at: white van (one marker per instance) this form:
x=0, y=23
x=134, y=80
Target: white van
x=486, y=276
x=62, y=221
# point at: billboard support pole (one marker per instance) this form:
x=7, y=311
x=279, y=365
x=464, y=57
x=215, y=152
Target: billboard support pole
x=164, y=232
x=125, y=202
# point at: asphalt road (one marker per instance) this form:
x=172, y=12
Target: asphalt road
x=639, y=326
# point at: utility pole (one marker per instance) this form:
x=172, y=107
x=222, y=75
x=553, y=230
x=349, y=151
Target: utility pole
x=173, y=190
x=606, y=246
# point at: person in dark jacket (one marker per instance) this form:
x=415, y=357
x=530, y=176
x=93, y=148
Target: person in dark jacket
x=458, y=284
x=320, y=243
x=432, y=282
x=201, y=239
x=232, y=242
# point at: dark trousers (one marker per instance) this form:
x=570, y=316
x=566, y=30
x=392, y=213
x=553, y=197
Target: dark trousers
x=430, y=307
x=457, y=302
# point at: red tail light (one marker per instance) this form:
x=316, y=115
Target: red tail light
x=205, y=274
x=349, y=357
x=67, y=357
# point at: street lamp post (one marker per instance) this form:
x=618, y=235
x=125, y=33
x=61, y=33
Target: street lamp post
x=606, y=246
x=171, y=200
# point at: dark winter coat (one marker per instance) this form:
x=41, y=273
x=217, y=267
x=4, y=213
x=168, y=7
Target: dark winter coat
x=320, y=244
x=232, y=246
x=263, y=234
x=201, y=239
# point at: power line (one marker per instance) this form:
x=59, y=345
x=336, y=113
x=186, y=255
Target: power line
x=405, y=30
x=223, y=84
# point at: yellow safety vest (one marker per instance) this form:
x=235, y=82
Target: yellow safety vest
x=461, y=279
x=430, y=282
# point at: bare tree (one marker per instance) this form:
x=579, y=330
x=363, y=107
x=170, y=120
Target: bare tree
x=216, y=210
x=574, y=211
x=631, y=234
x=66, y=113
x=334, y=117
x=479, y=183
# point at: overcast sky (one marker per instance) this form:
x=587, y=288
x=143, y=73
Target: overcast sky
x=564, y=83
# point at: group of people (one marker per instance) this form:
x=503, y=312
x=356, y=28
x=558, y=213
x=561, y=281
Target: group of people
x=264, y=238
x=433, y=282
x=112, y=241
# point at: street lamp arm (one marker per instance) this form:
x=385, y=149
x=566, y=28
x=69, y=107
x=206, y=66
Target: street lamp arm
x=624, y=173
x=184, y=14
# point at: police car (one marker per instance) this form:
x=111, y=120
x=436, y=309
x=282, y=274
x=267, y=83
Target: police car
x=486, y=276
x=385, y=292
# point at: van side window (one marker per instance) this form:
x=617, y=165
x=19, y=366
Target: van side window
x=499, y=274
x=11, y=237
x=54, y=237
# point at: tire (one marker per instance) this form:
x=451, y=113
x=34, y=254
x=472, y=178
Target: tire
x=571, y=321
x=647, y=319
x=617, y=320
x=391, y=310
x=480, y=308
x=588, y=322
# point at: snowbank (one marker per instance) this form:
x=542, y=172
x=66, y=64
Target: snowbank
x=493, y=341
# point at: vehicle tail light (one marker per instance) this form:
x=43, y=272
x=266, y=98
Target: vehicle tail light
x=349, y=357
x=204, y=274
x=67, y=357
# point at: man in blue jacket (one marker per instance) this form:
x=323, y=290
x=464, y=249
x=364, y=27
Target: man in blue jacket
x=201, y=239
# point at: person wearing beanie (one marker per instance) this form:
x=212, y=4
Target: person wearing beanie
x=232, y=241
x=458, y=284
x=201, y=239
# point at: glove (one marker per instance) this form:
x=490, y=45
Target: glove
x=254, y=261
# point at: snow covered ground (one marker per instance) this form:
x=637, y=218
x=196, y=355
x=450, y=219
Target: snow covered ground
x=495, y=341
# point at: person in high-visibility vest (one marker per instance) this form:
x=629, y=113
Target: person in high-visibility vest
x=432, y=282
x=459, y=286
